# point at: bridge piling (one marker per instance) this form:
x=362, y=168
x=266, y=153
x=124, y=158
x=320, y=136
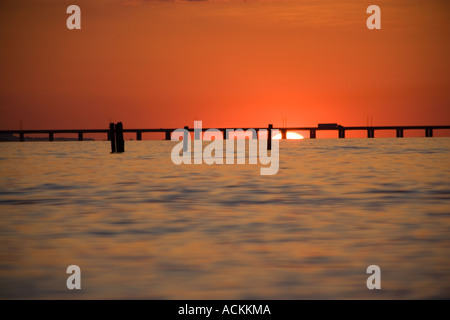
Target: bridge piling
x=112, y=137
x=186, y=139
x=120, y=142
x=224, y=134
x=269, y=138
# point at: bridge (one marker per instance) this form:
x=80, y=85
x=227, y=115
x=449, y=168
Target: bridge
x=428, y=131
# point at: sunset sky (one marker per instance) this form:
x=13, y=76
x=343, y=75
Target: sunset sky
x=155, y=64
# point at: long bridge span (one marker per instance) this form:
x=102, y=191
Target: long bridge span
x=428, y=131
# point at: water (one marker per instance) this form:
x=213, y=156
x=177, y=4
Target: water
x=141, y=227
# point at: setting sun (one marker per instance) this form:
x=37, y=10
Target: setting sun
x=290, y=135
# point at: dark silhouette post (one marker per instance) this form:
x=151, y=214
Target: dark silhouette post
x=283, y=134
x=138, y=135
x=224, y=134
x=21, y=137
x=341, y=133
x=269, y=138
x=312, y=134
x=185, y=139
x=112, y=137
x=167, y=134
x=399, y=133
x=120, y=142
x=429, y=132
x=80, y=136
x=370, y=133
x=50, y=136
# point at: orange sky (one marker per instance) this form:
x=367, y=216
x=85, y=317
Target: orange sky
x=227, y=63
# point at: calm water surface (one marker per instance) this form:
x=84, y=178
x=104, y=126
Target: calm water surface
x=141, y=227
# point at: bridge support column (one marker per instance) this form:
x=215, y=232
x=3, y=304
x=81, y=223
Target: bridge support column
x=167, y=134
x=139, y=135
x=269, y=137
x=399, y=133
x=224, y=134
x=370, y=133
x=21, y=137
x=50, y=136
x=112, y=137
x=312, y=134
x=120, y=141
x=429, y=133
x=80, y=136
x=341, y=133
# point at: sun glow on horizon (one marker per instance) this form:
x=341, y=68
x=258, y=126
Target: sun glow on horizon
x=290, y=135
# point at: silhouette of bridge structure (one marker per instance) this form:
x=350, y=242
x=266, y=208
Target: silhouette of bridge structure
x=428, y=131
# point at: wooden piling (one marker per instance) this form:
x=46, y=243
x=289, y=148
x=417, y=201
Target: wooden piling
x=80, y=136
x=138, y=135
x=112, y=137
x=120, y=142
x=399, y=133
x=224, y=134
x=312, y=134
x=269, y=137
x=186, y=139
x=50, y=136
x=370, y=133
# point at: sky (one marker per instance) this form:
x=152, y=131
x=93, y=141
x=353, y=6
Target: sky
x=156, y=64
